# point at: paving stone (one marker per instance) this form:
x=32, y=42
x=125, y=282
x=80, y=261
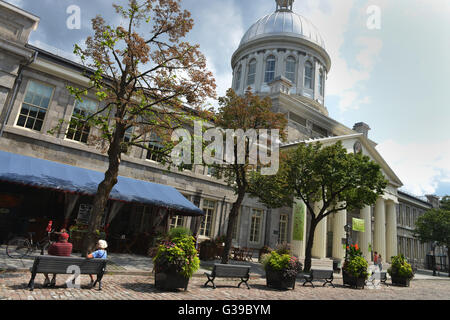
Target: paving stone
x=126, y=287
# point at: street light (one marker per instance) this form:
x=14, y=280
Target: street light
x=347, y=229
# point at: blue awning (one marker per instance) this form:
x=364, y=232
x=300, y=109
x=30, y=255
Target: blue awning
x=62, y=177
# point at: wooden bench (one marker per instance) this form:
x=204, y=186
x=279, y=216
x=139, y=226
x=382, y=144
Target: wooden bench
x=326, y=275
x=228, y=271
x=64, y=265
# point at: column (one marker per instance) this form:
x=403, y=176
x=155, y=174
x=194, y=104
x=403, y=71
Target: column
x=366, y=236
x=379, y=237
x=339, y=221
x=391, y=230
x=319, y=249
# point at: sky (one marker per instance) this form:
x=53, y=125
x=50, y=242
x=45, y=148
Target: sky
x=390, y=66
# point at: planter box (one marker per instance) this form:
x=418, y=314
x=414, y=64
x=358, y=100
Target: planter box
x=352, y=281
x=276, y=280
x=170, y=281
x=400, y=281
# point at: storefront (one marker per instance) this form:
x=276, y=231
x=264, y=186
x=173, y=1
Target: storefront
x=34, y=191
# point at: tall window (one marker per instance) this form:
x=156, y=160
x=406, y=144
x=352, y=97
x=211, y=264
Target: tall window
x=282, y=234
x=309, y=75
x=270, y=69
x=255, y=227
x=209, y=208
x=321, y=83
x=238, y=78
x=155, y=147
x=34, y=107
x=251, y=73
x=290, y=69
x=176, y=221
x=80, y=132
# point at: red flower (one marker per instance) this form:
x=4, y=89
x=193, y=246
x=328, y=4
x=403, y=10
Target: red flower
x=356, y=247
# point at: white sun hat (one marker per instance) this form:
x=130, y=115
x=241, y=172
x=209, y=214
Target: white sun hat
x=102, y=244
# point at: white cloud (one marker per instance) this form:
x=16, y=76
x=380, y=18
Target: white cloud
x=420, y=166
x=346, y=77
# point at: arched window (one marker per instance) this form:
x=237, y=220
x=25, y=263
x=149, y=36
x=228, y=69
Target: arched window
x=251, y=72
x=238, y=78
x=270, y=69
x=321, y=83
x=290, y=69
x=309, y=75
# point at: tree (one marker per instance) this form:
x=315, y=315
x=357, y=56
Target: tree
x=327, y=175
x=144, y=74
x=445, y=203
x=434, y=226
x=250, y=114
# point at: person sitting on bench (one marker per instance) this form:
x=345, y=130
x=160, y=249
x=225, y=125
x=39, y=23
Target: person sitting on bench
x=100, y=253
x=62, y=248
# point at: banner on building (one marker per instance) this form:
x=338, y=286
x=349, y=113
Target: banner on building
x=299, y=220
x=358, y=225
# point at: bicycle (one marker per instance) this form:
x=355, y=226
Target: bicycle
x=18, y=247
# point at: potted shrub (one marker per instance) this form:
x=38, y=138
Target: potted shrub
x=281, y=270
x=263, y=251
x=400, y=271
x=175, y=261
x=354, y=271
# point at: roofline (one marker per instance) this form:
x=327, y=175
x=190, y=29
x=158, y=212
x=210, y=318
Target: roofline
x=416, y=198
x=25, y=13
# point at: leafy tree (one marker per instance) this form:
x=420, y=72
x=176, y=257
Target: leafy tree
x=321, y=174
x=445, y=203
x=434, y=226
x=246, y=113
x=144, y=73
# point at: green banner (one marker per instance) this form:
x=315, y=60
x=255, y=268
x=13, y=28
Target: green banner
x=298, y=220
x=358, y=225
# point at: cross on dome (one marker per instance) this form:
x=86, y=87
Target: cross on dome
x=284, y=5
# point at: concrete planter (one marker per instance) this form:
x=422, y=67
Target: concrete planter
x=276, y=280
x=400, y=281
x=352, y=281
x=169, y=281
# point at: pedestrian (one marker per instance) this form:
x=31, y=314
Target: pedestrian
x=100, y=253
x=62, y=248
x=380, y=260
x=375, y=258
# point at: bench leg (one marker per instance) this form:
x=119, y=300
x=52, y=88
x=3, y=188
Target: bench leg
x=31, y=282
x=328, y=281
x=210, y=280
x=244, y=281
x=308, y=281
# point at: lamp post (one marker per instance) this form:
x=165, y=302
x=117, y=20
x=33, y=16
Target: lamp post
x=347, y=229
x=433, y=245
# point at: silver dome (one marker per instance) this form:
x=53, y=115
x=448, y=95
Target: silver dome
x=286, y=23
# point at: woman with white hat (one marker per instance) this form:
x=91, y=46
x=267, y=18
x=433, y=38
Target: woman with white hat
x=100, y=253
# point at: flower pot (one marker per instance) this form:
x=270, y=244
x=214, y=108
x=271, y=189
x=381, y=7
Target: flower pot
x=400, y=281
x=276, y=280
x=352, y=281
x=170, y=281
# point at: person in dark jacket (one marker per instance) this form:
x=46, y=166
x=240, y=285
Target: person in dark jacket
x=62, y=248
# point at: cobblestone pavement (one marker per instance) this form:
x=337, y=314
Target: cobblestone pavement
x=127, y=287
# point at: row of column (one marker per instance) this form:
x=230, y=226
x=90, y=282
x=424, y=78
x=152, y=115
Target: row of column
x=384, y=240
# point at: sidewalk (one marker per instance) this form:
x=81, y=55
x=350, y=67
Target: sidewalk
x=142, y=265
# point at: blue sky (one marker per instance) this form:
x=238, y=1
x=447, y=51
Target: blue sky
x=396, y=79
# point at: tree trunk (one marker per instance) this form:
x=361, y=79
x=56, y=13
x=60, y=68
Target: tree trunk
x=231, y=221
x=103, y=191
x=448, y=258
x=309, y=245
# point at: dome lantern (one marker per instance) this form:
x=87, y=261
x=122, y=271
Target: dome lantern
x=284, y=5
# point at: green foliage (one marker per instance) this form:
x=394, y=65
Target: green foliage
x=177, y=253
x=434, y=225
x=288, y=265
x=357, y=267
x=353, y=251
x=179, y=232
x=400, y=267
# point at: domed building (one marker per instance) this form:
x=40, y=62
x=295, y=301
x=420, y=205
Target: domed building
x=283, y=56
